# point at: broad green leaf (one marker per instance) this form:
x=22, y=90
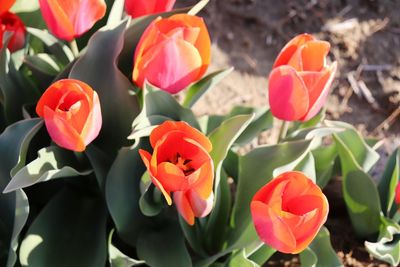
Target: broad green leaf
x=122, y=187
x=100, y=162
x=365, y=157
x=257, y=168
x=14, y=206
x=159, y=106
x=223, y=137
x=322, y=250
x=118, y=259
x=98, y=68
x=43, y=63
x=25, y=6
x=387, y=248
x=52, y=163
x=163, y=247
x=388, y=182
x=215, y=228
x=325, y=157
x=61, y=51
x=359, y=191
x=196, y=90
x=151, y=201
x=198, y=7
x=210, y=123
x=239, y=259
x=14, y=90
x=69, y=231
x=262, y=254
x=307, y=166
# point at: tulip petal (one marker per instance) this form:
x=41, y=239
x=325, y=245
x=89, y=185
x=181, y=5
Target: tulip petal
x=88, y=13
x=171, y=177
x=93, y=122
x=6, y=5
x=313, y=55
x=288, y=95
x=62, y=133
x=290, y=48
x=183, y=127
x=320, y=91
x=202, y=179
x=183, y=206
x=171, y=65
x=271, y=228
x=201, y=207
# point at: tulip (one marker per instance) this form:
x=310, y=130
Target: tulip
x=138, y=8
x=397, y=195
x=72, y=114
x=70, y=19
x=6, y=5
x=288, y=212
x=300, y=79
x=172, y=53
x=181, y=164
x=10, y=22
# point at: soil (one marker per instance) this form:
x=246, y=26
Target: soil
x=365, y=39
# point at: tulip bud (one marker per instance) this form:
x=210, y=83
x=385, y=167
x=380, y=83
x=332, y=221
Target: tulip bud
x=138, y=8
x=10, y=22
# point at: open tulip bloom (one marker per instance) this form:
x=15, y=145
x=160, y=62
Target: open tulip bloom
x=102, y=165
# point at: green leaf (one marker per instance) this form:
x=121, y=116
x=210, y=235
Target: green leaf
x=56, y=47
x=69, y=231
x=387, y=248
x=239, y=259
x=257, y=168
x=98, y=68
x=359, y=191
x=210, y=123
x=122, y=187
x=14, y=206
x=325, y=157
x=163, y=247
x=101, y=164
x=320, y=252
x=14, y=91
x=196, y=91
x=43, y=63
x=262, y=254
x=215, y=229
x=223, y=137
x=307, y=166
x=159, y=106
x=52, y=162
x=150, y=202
x=388, y=182
x=116, y=13
x=364, y=156
x=119, y=259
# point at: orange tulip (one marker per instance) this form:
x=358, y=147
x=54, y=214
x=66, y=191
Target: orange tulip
x=180, y=163
x=138, y=8
x=10, y=22
x=300, y=80
x=72, y=113
x=172, y=53
x=289, y=211
x=5, y=5
x=72, y=18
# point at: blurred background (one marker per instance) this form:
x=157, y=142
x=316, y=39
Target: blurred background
x=365, y=39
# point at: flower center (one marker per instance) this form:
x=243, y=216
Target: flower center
x=183, y=164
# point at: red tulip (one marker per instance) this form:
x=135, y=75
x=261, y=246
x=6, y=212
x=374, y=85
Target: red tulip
x=138, y=8
x=72, y=113
x=180, y=164
x=289, y=211
x=172, y=53
x=5, y=5
x=397, y=194
x=68, y=19
x=10, y=22
x=300, y=80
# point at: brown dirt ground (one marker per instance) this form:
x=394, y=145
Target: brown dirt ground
x=365, y=38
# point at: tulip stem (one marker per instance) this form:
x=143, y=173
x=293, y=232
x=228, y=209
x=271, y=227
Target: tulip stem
x=74, y=48
x=283, y=130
